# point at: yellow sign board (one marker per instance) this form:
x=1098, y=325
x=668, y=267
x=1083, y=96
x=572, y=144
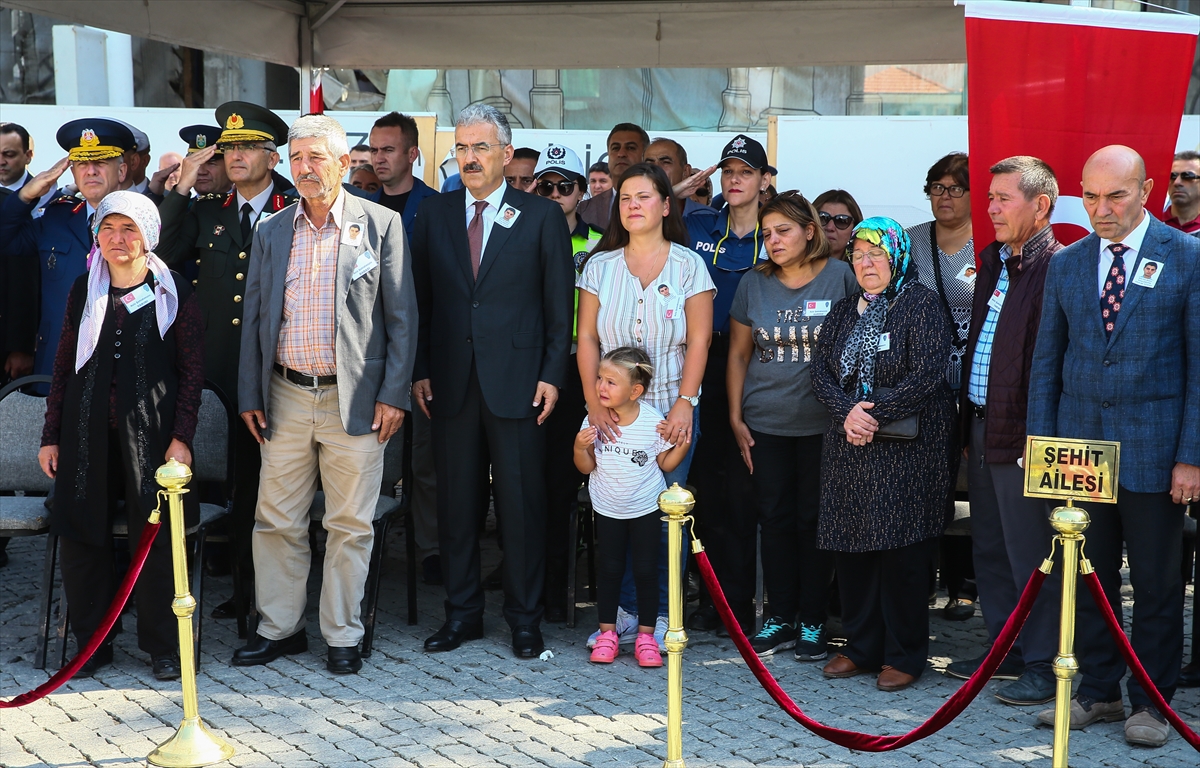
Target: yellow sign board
x=1061, y=468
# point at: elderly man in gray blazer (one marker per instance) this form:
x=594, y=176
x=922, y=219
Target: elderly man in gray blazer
x=327, y=355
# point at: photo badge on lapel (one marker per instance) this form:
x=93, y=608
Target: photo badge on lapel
x=507, y=216
x=352, y=235
x=1147, y=272
x=670, y=299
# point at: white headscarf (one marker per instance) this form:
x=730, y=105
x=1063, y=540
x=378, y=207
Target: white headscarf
x=166, y=301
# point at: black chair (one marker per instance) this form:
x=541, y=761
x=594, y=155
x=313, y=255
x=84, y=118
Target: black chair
x=211, y=459
x=582, y=517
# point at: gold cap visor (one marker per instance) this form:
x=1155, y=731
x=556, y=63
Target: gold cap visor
x=233, y=136
x=78, y=154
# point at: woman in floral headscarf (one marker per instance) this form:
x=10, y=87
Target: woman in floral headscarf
x=881, y=358
x=125, y=397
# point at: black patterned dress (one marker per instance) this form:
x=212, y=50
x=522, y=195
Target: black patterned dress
x=887, y=494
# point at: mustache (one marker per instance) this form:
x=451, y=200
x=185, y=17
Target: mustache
x=472, y=167
x=308, y=177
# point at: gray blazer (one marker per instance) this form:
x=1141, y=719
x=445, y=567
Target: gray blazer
x=375, y=316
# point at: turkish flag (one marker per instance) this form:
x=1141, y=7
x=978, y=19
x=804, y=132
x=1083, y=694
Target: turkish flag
x=1060, y=82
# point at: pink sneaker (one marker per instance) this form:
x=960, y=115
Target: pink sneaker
x=645, y=650
x=607, y=648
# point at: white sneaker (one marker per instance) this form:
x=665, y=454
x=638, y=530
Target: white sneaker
x=660, y=633
x=627, y=629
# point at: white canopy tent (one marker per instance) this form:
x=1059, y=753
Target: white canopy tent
x=507, y=34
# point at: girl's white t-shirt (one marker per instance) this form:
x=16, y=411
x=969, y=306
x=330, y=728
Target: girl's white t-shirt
x=626, y=481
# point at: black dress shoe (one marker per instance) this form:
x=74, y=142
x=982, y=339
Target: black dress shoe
x=451, y=635
x=260, y=650
x=344, y=661
x=101, y=658
x=495, y=580
x=1189, y=676
x=527, y=641
x=165, y=667
x=431, y=570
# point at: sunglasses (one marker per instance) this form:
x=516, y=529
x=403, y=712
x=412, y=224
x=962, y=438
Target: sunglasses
x=841, y=221
x=1185, y=175
x=546, y=188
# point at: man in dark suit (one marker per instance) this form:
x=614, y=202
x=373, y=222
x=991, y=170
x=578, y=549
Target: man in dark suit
x=213, y=235
x=494, y=286
x=1118, y=358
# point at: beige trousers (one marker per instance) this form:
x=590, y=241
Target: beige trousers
x=307, y=442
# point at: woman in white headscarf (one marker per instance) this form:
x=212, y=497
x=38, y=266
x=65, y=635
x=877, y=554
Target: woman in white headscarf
x=125, y=398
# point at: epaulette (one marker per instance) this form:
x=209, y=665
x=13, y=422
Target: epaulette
x=228, y=200
x=72, y=199
x=211, y=196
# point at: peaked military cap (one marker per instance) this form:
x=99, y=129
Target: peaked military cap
x=95, y=138
x=243, y=121
x=200, y=136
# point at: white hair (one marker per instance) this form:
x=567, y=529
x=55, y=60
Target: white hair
x=477, y=114
x=321, y=127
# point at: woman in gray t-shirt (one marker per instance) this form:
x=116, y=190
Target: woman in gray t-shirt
x=777, y=420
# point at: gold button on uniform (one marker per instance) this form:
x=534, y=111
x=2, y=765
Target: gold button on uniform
x=242, y=255
x=237, y=321
x=195, y=282
x=237, y=299
x=197, y=261
x=240, y=276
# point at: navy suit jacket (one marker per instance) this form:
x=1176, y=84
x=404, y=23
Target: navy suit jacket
x=1141, y=386
x=420, y=191
x=513, y=323
x=60, y=241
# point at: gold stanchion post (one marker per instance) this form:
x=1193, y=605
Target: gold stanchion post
x=676, y=502
x=192, y=745
x=1070, y=522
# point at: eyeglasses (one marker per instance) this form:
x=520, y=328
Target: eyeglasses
x=873, y=256
x=546, y=188
x=479, y=148
x=1185, y=175
x=937, y=190
x=240, y=147
x=841, y=221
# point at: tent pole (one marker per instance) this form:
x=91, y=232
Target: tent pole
x=306, y=65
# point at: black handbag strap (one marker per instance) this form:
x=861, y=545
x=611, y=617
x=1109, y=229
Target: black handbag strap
x=935, y=254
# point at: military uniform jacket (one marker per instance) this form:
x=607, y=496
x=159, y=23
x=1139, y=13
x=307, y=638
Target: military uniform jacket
x=58, y=237
x=204, y=236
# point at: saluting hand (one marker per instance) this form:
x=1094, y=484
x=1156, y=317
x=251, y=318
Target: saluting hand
x=189, y=169
x=44, y=181
x=689, y=185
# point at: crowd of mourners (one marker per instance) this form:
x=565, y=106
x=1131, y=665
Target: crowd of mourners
x=818, y=377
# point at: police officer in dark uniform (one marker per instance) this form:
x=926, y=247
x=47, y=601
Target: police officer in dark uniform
x=214, y=233
x=57, y=234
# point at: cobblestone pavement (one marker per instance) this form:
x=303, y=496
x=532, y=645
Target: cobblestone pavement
x=481, y=707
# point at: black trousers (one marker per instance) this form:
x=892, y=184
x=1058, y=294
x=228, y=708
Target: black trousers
x=885, y=606
x=90, y=579
x=787, y=494
x=247, y=462
x=1011, y=535
x=639, y=535
x=1151, y=526
x=562, y=481
x=517, y=451
x=724, y=509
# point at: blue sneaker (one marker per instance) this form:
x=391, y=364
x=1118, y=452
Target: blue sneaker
x=627, y=629
x=775, y=635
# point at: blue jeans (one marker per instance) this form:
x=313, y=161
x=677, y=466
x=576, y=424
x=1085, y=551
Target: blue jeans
x=628, y=601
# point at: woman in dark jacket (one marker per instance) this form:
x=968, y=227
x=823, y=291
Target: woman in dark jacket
x=125, y=398
x=883, y=501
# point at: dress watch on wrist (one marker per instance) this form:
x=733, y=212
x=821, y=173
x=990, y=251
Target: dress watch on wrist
x=692, y=401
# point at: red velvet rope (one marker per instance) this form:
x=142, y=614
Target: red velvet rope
x=98, y=637
x=863, y=741
x=1118, y=636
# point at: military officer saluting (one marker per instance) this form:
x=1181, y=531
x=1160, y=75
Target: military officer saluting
x=57, y=234
x=210, y=177
x=214, y=234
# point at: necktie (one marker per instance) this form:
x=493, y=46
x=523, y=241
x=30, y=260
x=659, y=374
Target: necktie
x=247, y=222
x=475, y=237
x=1114, y=288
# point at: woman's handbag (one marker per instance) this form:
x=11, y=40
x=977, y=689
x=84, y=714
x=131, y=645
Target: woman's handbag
x=906, y=428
